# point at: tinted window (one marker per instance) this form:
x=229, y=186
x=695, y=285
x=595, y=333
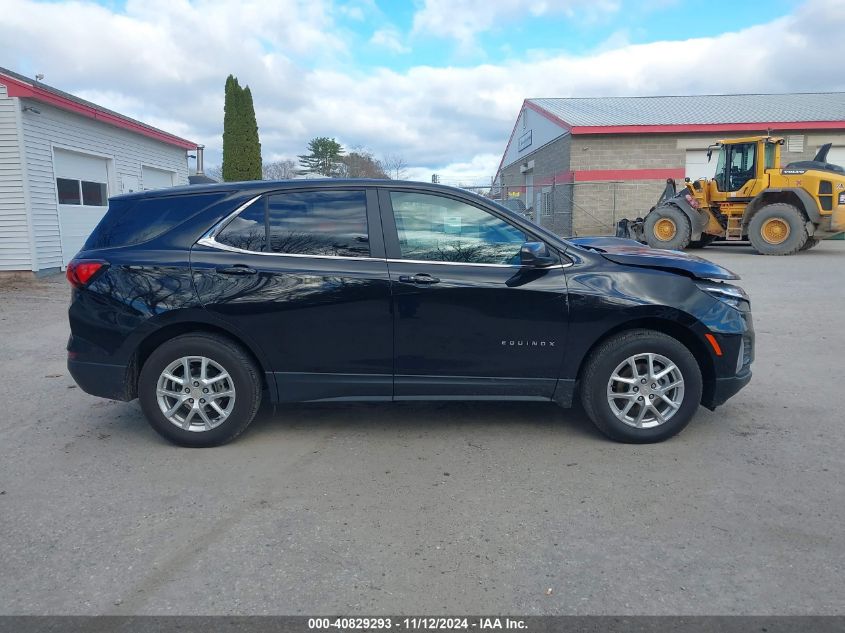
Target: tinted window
x=435, y=228
x=68, y=191
x=94, y=194
x=136, y=220
x=248, y=230
x=319, y=223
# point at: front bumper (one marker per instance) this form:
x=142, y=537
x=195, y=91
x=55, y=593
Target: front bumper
x=101, y=379
x=725, y=388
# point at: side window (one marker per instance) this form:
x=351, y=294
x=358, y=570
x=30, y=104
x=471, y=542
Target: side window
x=319, y=223
x=435, y=228
x=247, y=231
x=742, y=165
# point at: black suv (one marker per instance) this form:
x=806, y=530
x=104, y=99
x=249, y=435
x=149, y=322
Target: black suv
x=200, y=301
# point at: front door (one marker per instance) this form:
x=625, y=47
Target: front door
x=297, y=273
x=469, y=320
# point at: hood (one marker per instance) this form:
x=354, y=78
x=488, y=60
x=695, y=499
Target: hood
x=632, y=253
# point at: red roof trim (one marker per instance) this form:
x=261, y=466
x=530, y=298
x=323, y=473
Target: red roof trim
x=538, y=110
x=708, y=127
x=628, y=174
x=510, y=139
x=17, y=88
x=551, y=117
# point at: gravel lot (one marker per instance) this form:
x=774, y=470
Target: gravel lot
x=434, y=508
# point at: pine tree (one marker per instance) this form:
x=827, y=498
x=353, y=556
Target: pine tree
x=241, y=146
x=324, y=156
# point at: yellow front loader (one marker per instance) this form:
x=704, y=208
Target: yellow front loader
x=779, y=210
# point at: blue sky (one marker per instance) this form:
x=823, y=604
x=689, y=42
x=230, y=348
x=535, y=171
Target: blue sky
x=522, y=34
x=437, y=82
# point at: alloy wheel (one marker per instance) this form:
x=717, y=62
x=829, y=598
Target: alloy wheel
x=645, y=390
x=195, y=393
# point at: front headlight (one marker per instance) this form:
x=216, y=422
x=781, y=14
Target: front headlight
x=732, y=295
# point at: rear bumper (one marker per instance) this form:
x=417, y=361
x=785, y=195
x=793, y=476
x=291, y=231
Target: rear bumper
x=725, y=388
x=100, y=379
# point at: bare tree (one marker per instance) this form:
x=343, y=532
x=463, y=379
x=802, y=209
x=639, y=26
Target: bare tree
x=215, y=172
x=278, y=170
x=360, y=163
x=395, y=166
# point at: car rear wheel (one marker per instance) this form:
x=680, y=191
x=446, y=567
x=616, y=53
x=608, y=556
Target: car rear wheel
x=667, y=227
x=199, y=390
x=641, y=386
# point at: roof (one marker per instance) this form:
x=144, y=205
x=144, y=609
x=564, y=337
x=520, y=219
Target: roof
x=697, y=113
x=20, y=86
x=260, y=186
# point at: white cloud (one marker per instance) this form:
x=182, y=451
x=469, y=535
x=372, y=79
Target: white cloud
x=461, y=20
x=165, y=62
x=390, y=39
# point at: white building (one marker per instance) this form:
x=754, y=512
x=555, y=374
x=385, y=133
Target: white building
x=61, y=158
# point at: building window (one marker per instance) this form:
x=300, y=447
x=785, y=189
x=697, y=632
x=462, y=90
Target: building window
x=94, y=194
x=795, y=143
x=82, y=192
x=546, y=202
x=68, y=191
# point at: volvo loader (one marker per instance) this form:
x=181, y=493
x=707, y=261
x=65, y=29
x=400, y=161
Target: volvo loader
x=779, y=210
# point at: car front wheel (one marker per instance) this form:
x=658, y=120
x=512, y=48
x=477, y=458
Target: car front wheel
x=641, y=386
x=199, y=390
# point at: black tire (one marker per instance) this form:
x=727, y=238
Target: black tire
x=706, y=240
x=786, y=215
x=245, y=377
x=811, y=242
x=601, y=365
x=659, y=217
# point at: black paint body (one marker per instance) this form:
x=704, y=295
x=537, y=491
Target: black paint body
x=347, y=328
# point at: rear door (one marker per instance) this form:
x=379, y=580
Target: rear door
x=469, y=320
x=302, y=273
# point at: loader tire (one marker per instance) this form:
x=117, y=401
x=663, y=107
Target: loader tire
x=811, y=242
x=778, y=229
x=667, y=227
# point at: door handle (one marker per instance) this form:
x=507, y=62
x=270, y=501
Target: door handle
x=237, y=269
x=420, y=278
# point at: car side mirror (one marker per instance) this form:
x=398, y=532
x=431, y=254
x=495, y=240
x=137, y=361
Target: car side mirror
x=536, y=255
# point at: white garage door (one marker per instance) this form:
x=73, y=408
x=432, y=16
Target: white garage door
x=156, y=178
x=82, y=185
x=836, y=155
x=698, y=166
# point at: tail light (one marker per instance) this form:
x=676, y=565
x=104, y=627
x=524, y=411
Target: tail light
x=81, y=271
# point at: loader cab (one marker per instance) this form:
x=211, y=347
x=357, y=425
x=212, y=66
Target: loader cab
x=742, y=161
x=736, y=165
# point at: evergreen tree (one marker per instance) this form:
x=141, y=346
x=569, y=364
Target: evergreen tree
x=324, y=157
x=241, y=146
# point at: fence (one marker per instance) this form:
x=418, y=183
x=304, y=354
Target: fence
x=580, y=208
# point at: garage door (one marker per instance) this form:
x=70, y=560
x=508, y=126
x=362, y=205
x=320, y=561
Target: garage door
x=156, y=178
x=836, y=155
x=698, y=166
x=82, y=185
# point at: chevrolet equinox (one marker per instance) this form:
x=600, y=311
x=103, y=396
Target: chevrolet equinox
x=201, y=301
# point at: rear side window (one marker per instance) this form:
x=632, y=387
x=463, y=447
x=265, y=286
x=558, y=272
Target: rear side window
x=248, y=231
x=319, y=223
x=302, y=223
x=137, y=220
